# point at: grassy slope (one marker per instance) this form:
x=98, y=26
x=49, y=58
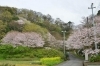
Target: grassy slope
x=19, y=63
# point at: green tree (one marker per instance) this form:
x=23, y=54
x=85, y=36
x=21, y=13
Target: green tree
x=31, y=16
x=15, y=26
x=6, y=16
x=2, y=29
x=58, y=21
x=98, y=13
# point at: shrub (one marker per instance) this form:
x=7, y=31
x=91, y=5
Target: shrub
x=95, y=58
x=8, y=52
x=50, y=61
x=47, y=53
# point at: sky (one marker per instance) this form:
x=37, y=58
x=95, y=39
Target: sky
x=66, y=10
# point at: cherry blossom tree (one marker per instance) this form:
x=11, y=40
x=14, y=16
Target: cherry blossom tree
x=84, y=37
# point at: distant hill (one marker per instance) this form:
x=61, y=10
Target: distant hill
x=9, y=16
x=30, y=28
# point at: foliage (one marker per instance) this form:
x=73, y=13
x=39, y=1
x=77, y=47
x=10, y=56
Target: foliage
x=15, y=18
x=50, y=61
x=45, y=53
x=98, y=13
x=2, y=29
x=42, y=23
x=15, y=26
x=31, y=27
x=6, y=16
x=95, y=58
x=57, y=35
x=52, y=28
x=12, y=10
x=8, y=51
x=31, y=16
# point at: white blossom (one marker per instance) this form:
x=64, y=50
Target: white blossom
x=84, y=37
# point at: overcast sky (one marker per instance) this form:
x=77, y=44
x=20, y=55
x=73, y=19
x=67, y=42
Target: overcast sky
x=66, y=10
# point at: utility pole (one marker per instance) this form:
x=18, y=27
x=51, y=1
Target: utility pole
x=94, y=24
x=64, y=41
x=88, y=25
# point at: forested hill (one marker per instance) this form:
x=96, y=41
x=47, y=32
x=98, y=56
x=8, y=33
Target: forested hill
x=24, y=20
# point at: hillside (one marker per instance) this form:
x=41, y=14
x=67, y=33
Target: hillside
x=31, y=28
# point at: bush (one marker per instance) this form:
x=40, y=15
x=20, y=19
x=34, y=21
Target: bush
x=50, y=61
x=8, y=52
x=47, y=53
x=95, y=58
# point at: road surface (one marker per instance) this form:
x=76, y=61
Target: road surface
x=73, y=61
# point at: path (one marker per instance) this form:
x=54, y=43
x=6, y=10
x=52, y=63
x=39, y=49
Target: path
x=74, y=61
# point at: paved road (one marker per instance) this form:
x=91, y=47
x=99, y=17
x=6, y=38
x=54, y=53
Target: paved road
x=74, y=61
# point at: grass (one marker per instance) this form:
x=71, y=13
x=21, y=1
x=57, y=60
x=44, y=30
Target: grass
x=19, y=63
x=22, y=59
x=43, y=62
x=26, y=56
x=27, y=52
